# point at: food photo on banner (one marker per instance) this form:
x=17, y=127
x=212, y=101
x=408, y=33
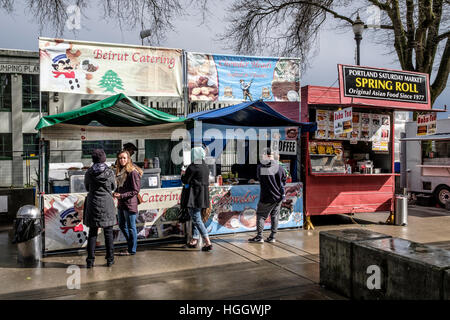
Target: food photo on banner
x=107, y=69
x=241, y=78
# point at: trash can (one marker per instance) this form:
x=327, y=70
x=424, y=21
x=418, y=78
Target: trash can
x=401, y=210
x=28, y=234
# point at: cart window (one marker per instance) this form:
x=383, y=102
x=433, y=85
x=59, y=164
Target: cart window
x=111, y=147
x=162, y=149
x=435, y=149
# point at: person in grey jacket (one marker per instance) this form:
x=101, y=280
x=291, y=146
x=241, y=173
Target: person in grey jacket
x=272, y=179
x=99, y=209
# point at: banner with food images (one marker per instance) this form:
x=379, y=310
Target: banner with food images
x=108, y=69
x=64, y=228
x=242, y=78
x=234, y=208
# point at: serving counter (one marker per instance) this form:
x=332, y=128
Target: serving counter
x=233, y=210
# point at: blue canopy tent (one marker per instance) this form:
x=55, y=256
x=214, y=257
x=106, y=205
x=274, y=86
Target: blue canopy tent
x=253, y=118
x=253, y=113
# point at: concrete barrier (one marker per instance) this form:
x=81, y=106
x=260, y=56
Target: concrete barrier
x=336, y=250
x=446, y=285
x=399, y=269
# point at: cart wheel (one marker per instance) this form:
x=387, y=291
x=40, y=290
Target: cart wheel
x=442, y=195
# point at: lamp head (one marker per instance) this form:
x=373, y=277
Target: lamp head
x=358, y=27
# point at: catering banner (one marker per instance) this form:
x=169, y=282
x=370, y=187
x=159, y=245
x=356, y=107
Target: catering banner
x=100, y=68
x=393, y=85
x=241, y=78
x=426, y=124
x=64, y=228
x=234, y=208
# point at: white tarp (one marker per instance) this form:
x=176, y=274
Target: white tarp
x=64, y=131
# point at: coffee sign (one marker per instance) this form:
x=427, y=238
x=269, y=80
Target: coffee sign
x=371, y=83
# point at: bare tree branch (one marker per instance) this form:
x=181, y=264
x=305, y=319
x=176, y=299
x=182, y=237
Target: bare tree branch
x=442, y=75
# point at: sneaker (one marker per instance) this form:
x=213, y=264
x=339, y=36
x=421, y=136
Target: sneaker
x=256, y=239
x=271, y=240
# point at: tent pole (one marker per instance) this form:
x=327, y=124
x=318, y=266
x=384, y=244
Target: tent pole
x=185, y=90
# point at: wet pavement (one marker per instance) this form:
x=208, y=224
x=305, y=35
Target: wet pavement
x=235, y=269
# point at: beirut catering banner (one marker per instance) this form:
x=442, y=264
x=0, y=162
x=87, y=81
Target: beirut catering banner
x=99, y=68
x=240, y=78
x=65, y=229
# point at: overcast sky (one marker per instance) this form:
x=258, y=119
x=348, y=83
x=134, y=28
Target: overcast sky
x=19, y=31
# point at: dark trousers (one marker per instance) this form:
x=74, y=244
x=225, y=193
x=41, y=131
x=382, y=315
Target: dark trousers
x=263, y=212
x=109, y=244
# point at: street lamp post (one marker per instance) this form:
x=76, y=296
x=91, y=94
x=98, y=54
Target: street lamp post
x=145, y=34
x=358, y=27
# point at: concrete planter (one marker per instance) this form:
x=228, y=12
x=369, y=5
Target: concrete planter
x=408, y=270
x=336, y=251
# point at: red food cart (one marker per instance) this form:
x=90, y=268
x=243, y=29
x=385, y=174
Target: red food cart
x=349, y=161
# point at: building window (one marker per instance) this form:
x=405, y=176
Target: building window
x=30, y=145
x=111, y=147
x=5, y=146
x=30, y=94
x=5, y=92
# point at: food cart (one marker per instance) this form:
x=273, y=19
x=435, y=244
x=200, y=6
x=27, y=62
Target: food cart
x=117, y=117
x=234, y=202
x=428, y=160
x=349, y=160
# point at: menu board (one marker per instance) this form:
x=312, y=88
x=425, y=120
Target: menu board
x=326, y=148
x=365, y=127
x=322, y=119
x=426, y=124
x=331, y=133
x=380, y=132
x=327, y=157
x=343, y=121
x=355, y=134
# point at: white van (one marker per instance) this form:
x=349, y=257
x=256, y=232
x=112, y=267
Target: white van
x=428, y=161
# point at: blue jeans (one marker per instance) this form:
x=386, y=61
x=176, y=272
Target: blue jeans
x=127, y=224
x=198, y=227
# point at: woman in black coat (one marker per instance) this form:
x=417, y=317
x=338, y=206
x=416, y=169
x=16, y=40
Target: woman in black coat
x=99, y=209
x=196, y=180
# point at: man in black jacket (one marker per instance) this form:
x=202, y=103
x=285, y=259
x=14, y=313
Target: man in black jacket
x=272, y=179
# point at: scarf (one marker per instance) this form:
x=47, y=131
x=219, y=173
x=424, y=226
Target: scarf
x=67, y=75
x=121, y=177
x=198, y=154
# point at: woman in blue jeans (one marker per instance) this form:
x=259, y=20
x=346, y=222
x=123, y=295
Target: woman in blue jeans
x=196, y=180
x=128, y=177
